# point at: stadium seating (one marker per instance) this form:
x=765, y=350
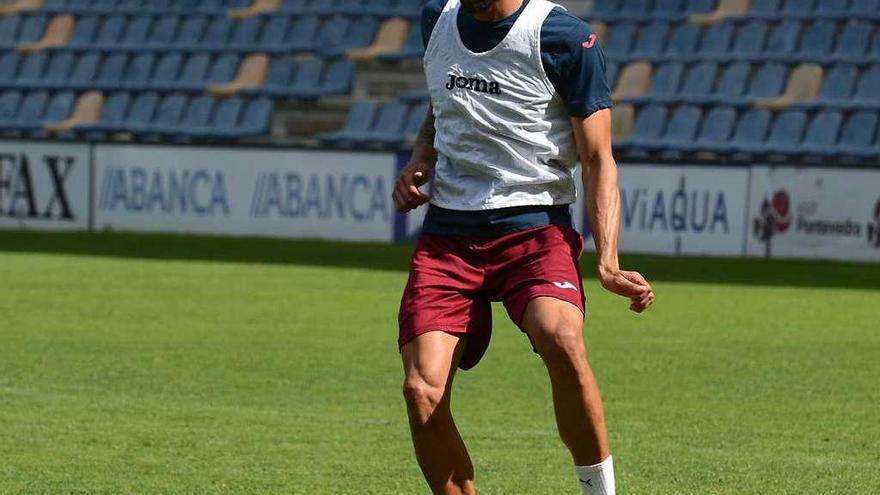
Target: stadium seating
x=719, y=78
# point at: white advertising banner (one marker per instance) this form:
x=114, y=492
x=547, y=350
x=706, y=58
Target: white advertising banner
x=682, y=210
x=44, y=185
x=814, y=213
x=279, y=193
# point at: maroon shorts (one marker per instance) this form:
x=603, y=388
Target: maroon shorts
x=453, y=279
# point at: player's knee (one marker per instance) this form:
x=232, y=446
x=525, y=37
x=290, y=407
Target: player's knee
x=422, y=397
x=561, y=344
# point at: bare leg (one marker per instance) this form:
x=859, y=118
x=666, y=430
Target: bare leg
x=429, y=362
x=556, y=330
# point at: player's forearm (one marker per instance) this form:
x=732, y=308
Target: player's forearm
x=603, y=209
x=423, y=150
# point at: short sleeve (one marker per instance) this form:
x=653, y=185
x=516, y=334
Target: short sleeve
x=430, y=15
x=575, y=63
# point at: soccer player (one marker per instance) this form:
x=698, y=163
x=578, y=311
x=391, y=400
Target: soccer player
x=518, y=91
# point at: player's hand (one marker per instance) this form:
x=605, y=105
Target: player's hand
x=629, y=284
x=407, y=195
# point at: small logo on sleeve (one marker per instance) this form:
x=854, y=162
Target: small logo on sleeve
x=565, y=285
x=590, y=41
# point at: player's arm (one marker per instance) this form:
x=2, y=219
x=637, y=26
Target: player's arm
x=593, y=137
x=407, y=195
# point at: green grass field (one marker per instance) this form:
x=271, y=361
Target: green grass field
x=172, y=365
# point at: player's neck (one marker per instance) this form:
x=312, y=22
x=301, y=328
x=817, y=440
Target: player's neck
x=498, y=10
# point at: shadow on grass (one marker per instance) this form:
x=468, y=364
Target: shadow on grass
x=396, y=258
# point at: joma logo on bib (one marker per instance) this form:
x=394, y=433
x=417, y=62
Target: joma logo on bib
x=474, y=84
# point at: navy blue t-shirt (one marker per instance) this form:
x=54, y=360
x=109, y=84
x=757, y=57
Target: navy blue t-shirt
x=574, y=62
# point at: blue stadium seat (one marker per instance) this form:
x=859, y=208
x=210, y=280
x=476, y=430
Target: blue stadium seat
x=295, y=7
x=110, y=32
x=138, y=71
x=226, y=117
x=141, y=111
x=620, y=38
x=192, y=74
x=733, y=82
x=797, y=8
x=414, y=122
x=58, y=108
x=831, y=8
x=164, y=30
x=634, y=8
x=388, y=128
x=338, y=78
x=865, y=9
x=750, y=131
x=699, y=6
x=783, y=39
x=31, y=70
x=868, y=90
x=32, y=28
x=817, y=40
x=303, y=33
x=110, y=74
x=9, y=30
x=822, y=132
x=31, y=111
x=699, y=82
x=197, y=117
x=245, y=34
x=307, y=80
x=136, y=33
x=84, y=32
x=852, y=44
x=649, y=126
x=217, y=34
x=858, y=134
x=765, y=8
x=716, y=40
x=167, y=71
x=683, y=40
x=336, y=38
x=603, y=9
x=715, y=132
x=359, y=121
x=223, y=69
x=786, y=132
x=651, y=40
x=665, y=81
x=680, y=130
x=112, y=117
x=191, y=32
x=168, y=115
x=273, y=34
x=10, y=101
x=838, y=85
x=278, y=79
x=668, y=9
x=85, y=71
x=768, y=81
x=750, y=38
x=256, y=120
x=874, y=53
x=9, y=62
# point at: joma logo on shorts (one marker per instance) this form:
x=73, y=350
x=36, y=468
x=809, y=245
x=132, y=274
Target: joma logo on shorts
x=474, y=84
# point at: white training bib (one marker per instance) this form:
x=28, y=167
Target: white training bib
x=504, y=137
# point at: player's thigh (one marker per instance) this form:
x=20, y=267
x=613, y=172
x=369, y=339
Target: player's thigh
x=555, y=327
x=429, y=362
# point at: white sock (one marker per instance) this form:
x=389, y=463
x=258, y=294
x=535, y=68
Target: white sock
x=597, y=479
